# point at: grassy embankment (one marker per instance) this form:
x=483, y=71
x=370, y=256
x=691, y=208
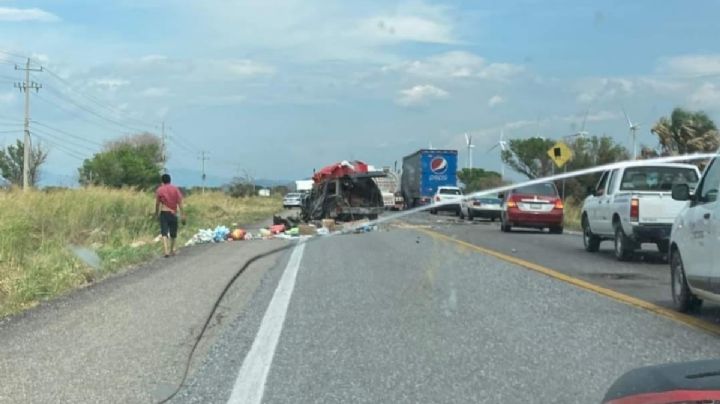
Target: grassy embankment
x=36, y=229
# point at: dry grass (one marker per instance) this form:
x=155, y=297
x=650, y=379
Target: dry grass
x=572, y=214
x=36, y=229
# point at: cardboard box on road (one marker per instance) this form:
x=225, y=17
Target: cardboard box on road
x=329, y=224
x=307, y=230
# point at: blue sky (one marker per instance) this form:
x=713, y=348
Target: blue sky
x=278, y=88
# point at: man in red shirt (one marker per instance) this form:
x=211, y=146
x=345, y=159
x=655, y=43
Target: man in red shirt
x=168, y=206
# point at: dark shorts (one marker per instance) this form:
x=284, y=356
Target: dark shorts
x=168, y=224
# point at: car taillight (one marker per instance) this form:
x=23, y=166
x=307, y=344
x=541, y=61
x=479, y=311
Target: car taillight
x=511, y=204
x=559, y=204
x=634, y=209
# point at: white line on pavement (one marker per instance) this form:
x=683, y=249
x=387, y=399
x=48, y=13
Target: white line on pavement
x=250, y=384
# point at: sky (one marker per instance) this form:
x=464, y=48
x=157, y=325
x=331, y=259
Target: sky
x=273, y=89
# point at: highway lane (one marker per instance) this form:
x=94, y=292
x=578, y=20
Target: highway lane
x=647, y=277
x=401, y=316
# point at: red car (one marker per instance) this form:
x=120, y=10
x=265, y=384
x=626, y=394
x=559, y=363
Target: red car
x=537, y=206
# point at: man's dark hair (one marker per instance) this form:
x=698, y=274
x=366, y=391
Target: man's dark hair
x=165, y=178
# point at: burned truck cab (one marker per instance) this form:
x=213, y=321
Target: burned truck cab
x=344, y=191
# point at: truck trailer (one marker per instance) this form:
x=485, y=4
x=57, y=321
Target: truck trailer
x=424, y=171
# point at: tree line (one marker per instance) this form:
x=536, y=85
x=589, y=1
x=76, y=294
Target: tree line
x=681, y=133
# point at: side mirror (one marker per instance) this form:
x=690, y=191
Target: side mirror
x=501, y=195
x=590, y=191
x=681, y=192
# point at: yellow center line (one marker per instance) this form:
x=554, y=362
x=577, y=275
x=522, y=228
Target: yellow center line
x=617, y=296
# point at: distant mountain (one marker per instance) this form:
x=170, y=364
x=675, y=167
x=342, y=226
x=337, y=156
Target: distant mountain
x=190, y=178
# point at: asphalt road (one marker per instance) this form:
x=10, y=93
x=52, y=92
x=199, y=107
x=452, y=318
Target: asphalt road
x=398, y=315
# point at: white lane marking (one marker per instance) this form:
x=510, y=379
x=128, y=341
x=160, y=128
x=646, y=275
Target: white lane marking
x=250, y=383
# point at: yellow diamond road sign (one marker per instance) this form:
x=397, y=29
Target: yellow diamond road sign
x=560, y=154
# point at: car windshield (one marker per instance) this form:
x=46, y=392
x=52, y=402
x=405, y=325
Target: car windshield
x=657, y=178
x=537, y=189
x=296, y=201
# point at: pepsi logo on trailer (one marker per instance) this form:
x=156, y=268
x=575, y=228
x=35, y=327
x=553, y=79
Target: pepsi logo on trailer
x=438, y=165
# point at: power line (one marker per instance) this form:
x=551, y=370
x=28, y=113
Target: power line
x=77, y=115
x=90, y=111
x=67, y=151
x=65, y=141
x=94, y=100
x=66, y=133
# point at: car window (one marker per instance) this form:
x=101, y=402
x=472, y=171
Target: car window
x=613, y=181
x=546, y=189
x=711, y=180
x=600, y=187
x=449, y=191
x=658, y=178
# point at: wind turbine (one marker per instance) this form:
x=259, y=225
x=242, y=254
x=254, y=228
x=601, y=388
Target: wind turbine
x=633, y=127
x=470, y=146
x=503, y=146
x=582, y=132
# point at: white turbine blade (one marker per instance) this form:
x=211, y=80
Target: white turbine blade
x=503, y=145
x=582, y=127
x=502, y=134
x=627, y=118
x=467, y=139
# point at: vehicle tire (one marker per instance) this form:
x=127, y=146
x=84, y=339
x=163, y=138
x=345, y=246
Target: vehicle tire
x=505, y=228
x=433, y=211
x=556, y=230
x=590, y=240
x=663, y=246
x=624, y=246
x=470, y=215
x=458, y=212
x=683, y=298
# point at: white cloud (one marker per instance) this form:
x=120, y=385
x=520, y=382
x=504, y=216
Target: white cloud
x=691, y=65
x=155, y=92
x=495, y=100
x=420, y=94
x=26, y=14
x=406, y=28
x=456, y=64
x=708, y=95
x=109, y=83
x=603, y=89
x=247, y=67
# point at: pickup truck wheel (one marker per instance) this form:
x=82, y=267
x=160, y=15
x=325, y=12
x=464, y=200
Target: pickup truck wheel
x=590, y=240
x=683, y=298
x=624, y=246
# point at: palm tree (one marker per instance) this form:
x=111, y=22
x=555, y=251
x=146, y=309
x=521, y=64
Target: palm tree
x=686, y=132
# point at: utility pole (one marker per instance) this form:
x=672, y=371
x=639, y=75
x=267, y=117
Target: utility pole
x=26, y=86
x=203, y=158
x=163, y=146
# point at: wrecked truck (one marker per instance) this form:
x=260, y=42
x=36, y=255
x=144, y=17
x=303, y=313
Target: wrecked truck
x=344, y=191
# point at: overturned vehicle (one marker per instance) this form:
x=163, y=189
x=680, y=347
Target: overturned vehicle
x=344, y=191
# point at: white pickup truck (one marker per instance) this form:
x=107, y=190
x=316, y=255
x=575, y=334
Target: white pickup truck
x=633, y=205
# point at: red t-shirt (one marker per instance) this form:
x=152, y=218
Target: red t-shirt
x=169, y=196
